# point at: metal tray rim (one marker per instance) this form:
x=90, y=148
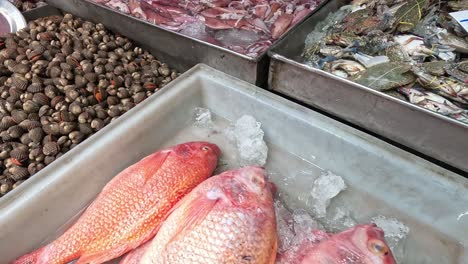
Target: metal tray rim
x=409, y=105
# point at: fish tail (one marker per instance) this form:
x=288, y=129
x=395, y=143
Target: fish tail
x=31, y=258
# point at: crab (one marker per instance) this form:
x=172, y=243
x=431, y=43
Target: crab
x=385, y=76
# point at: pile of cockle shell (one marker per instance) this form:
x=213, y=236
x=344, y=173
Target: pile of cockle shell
x=413, y=50
x=27, y=5
x=63, y=79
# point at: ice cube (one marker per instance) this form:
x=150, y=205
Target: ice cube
x=283, y=226
x=202, y=117
x=195, y=30
x=395, y=234
x=325, y=188
x=248, y=137
x=236, y=37
x=304, y=225
x=339, y=219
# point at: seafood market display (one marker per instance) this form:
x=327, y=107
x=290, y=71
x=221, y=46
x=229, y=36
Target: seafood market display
x=411, y=50
x=61, y=80
x=247, y=27
x=27, y=5
x=166, y=209
x=130, y=208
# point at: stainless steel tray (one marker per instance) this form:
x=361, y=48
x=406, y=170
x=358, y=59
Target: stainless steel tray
x=417, y=128
x=171, y=46
x=382, y=179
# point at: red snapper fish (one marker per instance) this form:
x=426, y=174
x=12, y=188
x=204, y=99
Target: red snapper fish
x=131, y=207
x=227, y=219
x=362, y=244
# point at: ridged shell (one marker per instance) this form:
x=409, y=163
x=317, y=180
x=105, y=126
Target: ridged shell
x=15, y=131
x=41, y=99
x=73, y=62
x=57, y=99
x=21, y=68
x=86, y=129
x=54, y=72
x=65, y=66
x=31, y=107
x=25, y=139
x=15, y=93
x=7, y=121
x=29, y=124
x=51, y=129
x=36, y=53
x=49, y=159
x=91, y=77
x=36, y=79
x=21, y=57
x=35, y=88
x=11, y=64
x=48, y=81
x=51, y=149
x=33, y=117
x=5, y=136
x=20, y=154
x=18, y=173
x=19, y=82
x=18, y=115
x=36, y=134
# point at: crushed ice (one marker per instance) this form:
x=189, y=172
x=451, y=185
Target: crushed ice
x=202, y=117
x=247, y=135
x=395, y=234
x=325, y=188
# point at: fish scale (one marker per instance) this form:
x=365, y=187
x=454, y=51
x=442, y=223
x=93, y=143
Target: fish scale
x=131, y=206
x=228, y=218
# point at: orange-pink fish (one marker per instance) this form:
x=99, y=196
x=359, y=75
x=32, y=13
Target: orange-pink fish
x=362, y=244
x=130, y=208
x=227, y=219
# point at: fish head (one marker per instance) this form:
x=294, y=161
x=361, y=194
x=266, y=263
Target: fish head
x=369, y=239
x=248, y=184
x=198, y=151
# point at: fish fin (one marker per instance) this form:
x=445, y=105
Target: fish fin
x=194, y=214
x=103, y=256
x=154, y=162
x=134, y=256
x=30, y=258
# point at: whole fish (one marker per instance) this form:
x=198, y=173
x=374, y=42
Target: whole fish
x=363, y=244
x=228, y=218
x=131, y=207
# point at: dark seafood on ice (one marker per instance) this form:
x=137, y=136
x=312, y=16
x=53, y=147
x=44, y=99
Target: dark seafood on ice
x=131, y=207
x=411, y=50
x=63, y=79
x=248, y=26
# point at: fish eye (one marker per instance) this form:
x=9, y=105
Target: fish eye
x=378, y=247
x=205, y=148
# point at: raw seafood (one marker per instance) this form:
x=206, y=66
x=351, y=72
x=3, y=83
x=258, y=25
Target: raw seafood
x=360, y=244
x=131, y=206
x=229, y=218
x=252, y=25
x=63, y=79
x=393, y=46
